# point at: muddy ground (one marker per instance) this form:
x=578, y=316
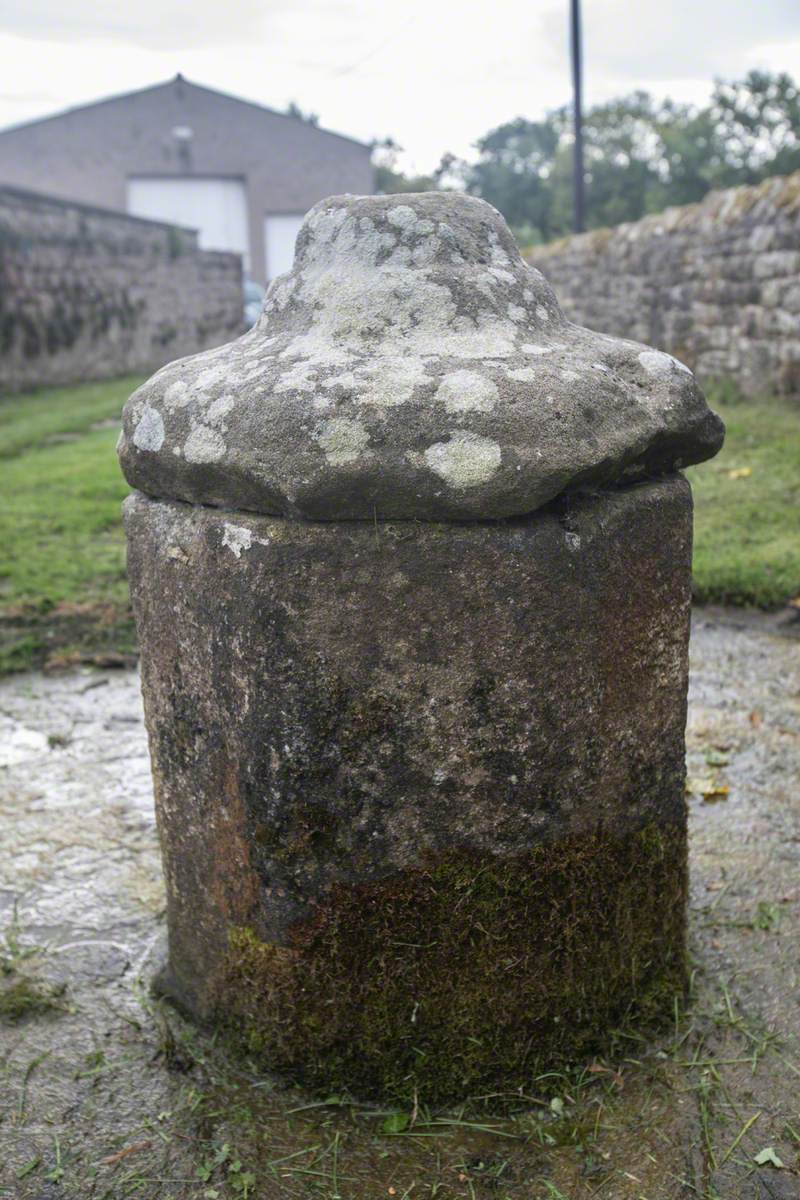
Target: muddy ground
x=107, y=1093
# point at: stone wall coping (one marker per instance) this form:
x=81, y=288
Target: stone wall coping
x=28, y=196
x=724, y=206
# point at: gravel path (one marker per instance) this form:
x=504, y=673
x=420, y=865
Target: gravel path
x=107, y=1093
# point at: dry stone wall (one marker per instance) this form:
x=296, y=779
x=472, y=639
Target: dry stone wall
x=717, y=283
x=87, y=293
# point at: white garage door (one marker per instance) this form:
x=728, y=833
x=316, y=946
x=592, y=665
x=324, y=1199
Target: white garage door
x=280, y=231
x=215, y=207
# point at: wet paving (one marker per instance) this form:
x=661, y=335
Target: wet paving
x=108, y=1093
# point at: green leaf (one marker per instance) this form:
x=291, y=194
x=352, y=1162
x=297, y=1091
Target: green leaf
x=396, y=1123
x=768, y=916
x=768, y=1155
x=244, y=1183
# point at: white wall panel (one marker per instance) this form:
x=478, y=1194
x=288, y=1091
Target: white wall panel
x=215, y=207
x=280, y=232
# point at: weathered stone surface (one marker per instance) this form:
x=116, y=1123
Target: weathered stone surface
x=87, y=293
x=696, y=281
x=411, y=365
x=362, y=736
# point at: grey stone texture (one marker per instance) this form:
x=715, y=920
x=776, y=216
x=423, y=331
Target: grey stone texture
x=411, y=365
x=418, y=760
x=715, y=283
x=332, y=708
x=420, y=687
x=91, y=294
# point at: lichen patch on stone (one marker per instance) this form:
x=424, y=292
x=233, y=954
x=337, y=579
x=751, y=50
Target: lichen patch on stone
x=204, y=445
x=343, y=441
x=237, y=538
x=465, y=461
x=149, y=432
x=467, y=391
x=177, y=394
x=655, y=362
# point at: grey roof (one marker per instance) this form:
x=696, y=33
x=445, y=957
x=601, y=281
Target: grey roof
x=169, y=83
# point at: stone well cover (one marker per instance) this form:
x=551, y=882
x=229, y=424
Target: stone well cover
x=411, y=364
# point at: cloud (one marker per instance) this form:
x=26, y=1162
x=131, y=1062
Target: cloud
x=434, y=74
x=156, y=24
x=652, y=40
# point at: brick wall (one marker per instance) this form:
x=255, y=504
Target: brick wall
x=715, y=283
x=87, y=293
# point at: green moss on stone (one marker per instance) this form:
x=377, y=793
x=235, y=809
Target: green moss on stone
x=469, y=973
x=25, y=997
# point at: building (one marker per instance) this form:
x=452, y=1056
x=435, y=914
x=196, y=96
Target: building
x=240, y=174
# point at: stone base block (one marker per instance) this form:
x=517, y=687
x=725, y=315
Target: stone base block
x=420, y=786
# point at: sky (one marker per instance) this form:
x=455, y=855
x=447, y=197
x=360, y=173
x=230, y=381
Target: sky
x=432, y=74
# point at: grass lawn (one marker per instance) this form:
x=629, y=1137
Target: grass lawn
x=63, y=596
x=747, y=505
x=63, y=593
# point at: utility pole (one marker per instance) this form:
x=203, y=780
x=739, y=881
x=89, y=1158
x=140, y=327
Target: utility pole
x=578, y=181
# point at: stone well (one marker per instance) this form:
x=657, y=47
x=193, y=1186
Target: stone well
x=411, y=570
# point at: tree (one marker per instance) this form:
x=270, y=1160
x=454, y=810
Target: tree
x=641, y=155
x=513, y=170
x=759, y=123
x=294, y=110
x=389, y=179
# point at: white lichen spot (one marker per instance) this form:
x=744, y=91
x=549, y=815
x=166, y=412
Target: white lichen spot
x=573, y=541
x=501, y=275
x=390, y=380
x=657, y=363
x=467, y=391
x=210, y=376
x=542, y=313
x=569, y=376
x=532, y=348
x=342, y=440
x=177, y=394
x=600, y=367
x=220, y=409
x=346, y=380
x=524, y=375
x=149, y=432
x=499, y=256
x=237, y=538
x=466, y=461
x=204, y=445
x=527, y=295
x=402, y=216
x=299, y=379
x=516, y=312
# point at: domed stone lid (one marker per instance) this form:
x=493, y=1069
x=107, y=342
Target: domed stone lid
x=411, y=365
